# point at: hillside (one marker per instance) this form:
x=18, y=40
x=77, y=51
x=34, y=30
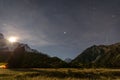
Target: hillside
x=99, y=56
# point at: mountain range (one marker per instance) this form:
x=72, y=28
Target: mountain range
x=20, y=55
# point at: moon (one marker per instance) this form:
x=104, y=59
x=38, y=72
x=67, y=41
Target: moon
x=12, y=39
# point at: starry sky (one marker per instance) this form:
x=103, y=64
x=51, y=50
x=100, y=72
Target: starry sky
x=62, y=28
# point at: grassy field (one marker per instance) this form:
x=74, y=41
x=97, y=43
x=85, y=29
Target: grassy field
x=59, y=74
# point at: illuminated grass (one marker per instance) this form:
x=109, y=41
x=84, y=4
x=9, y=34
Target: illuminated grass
x=3, y=63
x=59, y=74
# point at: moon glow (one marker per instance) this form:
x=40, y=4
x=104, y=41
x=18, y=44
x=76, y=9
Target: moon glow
x=12, y=39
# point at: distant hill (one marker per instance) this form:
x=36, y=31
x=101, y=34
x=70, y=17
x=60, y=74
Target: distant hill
x=99, y=56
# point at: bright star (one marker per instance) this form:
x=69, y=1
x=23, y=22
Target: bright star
x=65, y=32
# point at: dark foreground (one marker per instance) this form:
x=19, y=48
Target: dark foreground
x=59, y=74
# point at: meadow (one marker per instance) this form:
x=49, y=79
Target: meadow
x=59, y=74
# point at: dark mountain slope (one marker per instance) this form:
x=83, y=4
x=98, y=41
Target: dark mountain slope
x=100, y=56
x=22, y=59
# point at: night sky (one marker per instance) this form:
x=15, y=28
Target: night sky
x=62, y=28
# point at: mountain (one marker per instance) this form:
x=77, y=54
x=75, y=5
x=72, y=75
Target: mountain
x=68, y=60
x=19, y=55
x=6, y=46
x=22, y=59
x=99, y=56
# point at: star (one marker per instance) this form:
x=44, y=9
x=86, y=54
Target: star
x=65, y=32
